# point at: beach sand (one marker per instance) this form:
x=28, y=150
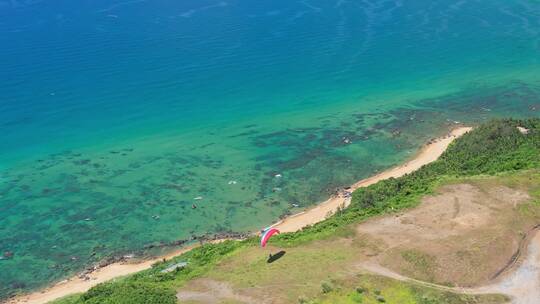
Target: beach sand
x=429, y=153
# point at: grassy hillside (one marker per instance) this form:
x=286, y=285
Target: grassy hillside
x=378, y=289
x=494, y=148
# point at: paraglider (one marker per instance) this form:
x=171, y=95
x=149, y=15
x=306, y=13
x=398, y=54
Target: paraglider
x=267, y=234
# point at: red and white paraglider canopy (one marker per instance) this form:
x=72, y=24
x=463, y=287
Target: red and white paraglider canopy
x=267, y=234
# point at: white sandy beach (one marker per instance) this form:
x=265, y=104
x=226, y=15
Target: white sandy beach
x=427, y=154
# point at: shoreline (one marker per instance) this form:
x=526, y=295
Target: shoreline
x=427, y=154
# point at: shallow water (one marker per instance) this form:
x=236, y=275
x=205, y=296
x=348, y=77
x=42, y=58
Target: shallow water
x=115, y=116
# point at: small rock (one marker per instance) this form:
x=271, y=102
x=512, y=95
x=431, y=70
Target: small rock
x=523, y=130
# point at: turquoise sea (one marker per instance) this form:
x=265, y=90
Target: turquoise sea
x=116, y=116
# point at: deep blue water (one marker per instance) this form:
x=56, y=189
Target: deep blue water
x=116, y=111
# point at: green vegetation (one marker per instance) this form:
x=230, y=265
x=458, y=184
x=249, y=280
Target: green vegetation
x=69, y=299
x=492, y=148
x=327, y=287
x=129, y=292
x=305, y=270
x=123, y=293
x=376, y=289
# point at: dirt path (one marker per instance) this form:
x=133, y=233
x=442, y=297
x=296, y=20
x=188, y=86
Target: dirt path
x=374, y=268
x=523, y=283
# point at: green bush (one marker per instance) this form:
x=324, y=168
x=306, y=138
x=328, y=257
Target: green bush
x=494, y=147
x=129, y=293
x=326, y=287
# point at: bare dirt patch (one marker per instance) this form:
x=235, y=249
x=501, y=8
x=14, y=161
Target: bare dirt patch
x=464, y=235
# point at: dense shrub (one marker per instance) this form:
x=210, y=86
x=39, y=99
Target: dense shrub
x=129, y=293
x=326, y=287
x=493, y=147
